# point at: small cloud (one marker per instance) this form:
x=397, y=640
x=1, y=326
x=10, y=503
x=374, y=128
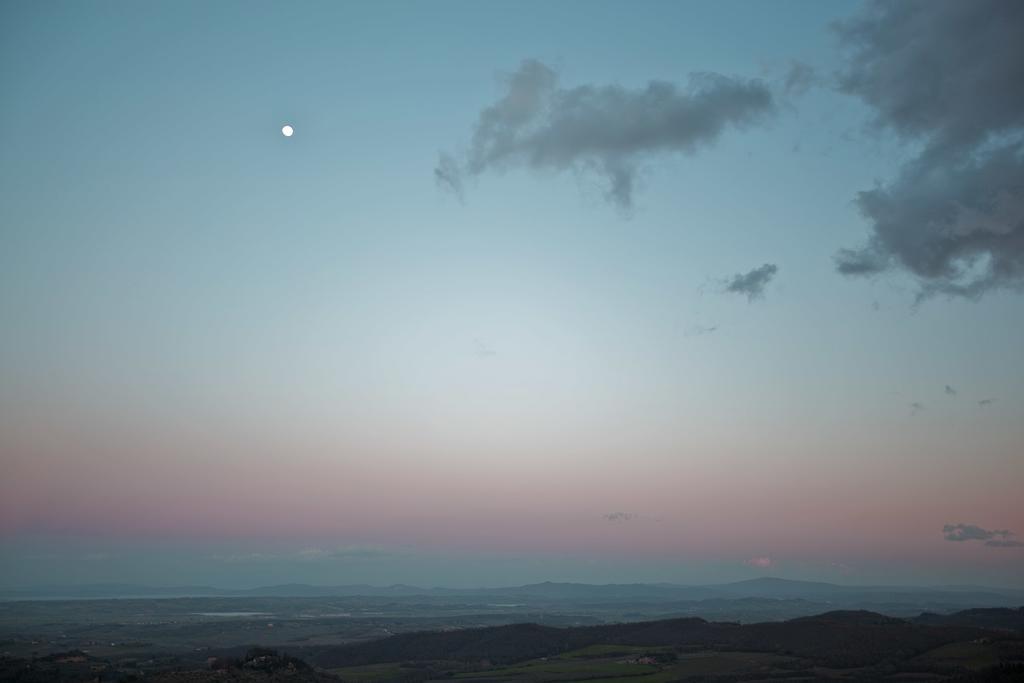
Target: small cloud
x=241, y=558
x=986, y=402
x=366, y=552
x=448, y=175
x=313, y=554
x=916, y=408
x=762, y=562
x=966, y=532
x=752, y=283
x=699, y=330
x=482, y=349
x=994, y=538
x=619, y=517
x=950, y=391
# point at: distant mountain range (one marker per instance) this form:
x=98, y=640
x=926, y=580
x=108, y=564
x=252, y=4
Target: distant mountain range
x=835, y=595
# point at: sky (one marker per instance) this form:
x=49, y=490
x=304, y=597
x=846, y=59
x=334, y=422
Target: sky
x=577, y=291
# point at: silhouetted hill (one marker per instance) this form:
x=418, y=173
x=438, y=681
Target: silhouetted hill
x=516, y=642
x=849, y=638
x=842, y=638
x=259, y=665
x=994, y=618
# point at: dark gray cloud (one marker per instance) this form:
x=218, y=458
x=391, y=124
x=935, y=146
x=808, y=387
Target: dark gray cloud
x=998, y=538
x=866, y=261
x=752, y=284
x=986, y=402
x=945, y=74
x=619, y=516
x=950, y=391
x=608, y=129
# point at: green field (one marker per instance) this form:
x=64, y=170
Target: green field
x=974, y=656
x=605, y=663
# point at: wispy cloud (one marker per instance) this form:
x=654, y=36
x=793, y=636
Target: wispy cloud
x=843, y=568
x=356, y=552
x=313, y=554
x=700, y=330
x=481, y=349
x=619, y=517
x=241, y=558
x=607, y=129
x=997, y=538
x=762, y=562
x=448, y=176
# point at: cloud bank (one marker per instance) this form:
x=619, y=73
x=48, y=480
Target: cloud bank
x=607, y=129
x=999, y=538
x=946, y=75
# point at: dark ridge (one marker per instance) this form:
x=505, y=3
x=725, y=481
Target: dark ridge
x=848, y=618
x=840, y=639
x=1003, y=618
x=512, y=643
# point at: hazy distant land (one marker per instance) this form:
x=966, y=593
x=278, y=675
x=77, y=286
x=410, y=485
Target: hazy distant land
x=367, y=633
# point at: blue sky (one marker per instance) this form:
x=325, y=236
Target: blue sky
x=186, y=294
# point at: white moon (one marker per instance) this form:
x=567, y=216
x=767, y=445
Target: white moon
x=287, y=131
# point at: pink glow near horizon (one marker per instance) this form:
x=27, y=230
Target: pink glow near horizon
x=120, y=486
